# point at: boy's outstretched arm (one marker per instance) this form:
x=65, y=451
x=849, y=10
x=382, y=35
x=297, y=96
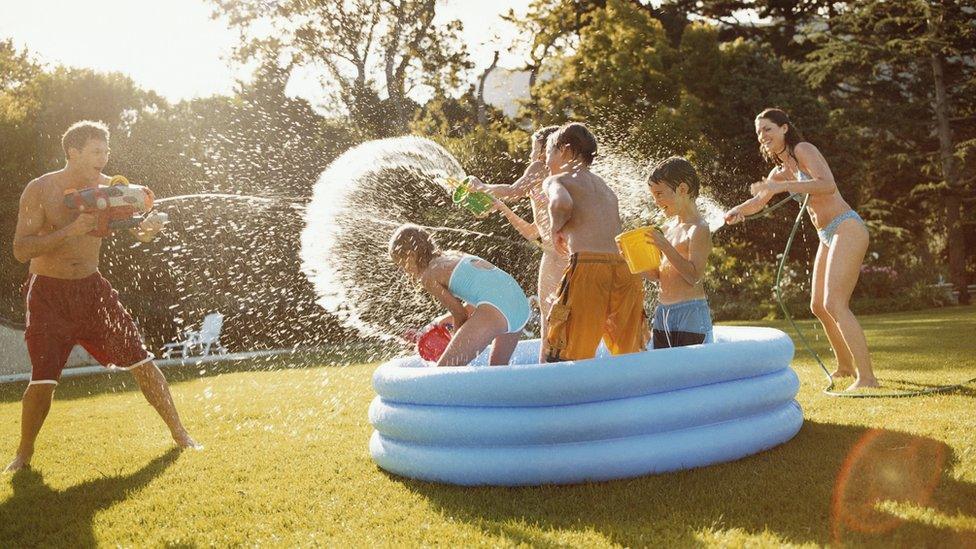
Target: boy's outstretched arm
x=691, y=268
x=520, y=188
x=533, y=175
x=528, y=230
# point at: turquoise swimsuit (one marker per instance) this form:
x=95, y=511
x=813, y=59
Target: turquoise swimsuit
x=827, y=233
x=479, y=285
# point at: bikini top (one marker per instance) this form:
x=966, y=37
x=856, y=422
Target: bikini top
x=800, y=176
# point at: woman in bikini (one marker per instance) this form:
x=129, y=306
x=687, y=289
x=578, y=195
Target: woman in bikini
x=800, y=169
x=554, y=262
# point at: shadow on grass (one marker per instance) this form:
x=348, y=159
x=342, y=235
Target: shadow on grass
x=962, y=386
x=821, y=487
x=120, y=381
x=38, y=515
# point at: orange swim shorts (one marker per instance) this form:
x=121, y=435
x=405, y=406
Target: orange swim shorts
x=598, y=299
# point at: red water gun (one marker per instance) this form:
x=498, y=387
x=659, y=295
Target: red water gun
x=120, y=205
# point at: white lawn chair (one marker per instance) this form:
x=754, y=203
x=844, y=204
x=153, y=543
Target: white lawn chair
x=207, y=337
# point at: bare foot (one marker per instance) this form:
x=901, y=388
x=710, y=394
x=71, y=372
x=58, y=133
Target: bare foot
x=842, y=372
x=186, y=442
x=864, y=383
x=19, y=462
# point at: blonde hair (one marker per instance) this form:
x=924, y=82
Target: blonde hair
x=413, y=239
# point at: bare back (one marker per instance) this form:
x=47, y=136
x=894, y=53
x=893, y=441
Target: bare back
x=42, y=212
x=595, y=217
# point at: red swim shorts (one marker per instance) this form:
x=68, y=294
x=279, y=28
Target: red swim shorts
x=62, y=313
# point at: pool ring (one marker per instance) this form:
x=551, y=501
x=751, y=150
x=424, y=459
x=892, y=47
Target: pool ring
x=605, y=418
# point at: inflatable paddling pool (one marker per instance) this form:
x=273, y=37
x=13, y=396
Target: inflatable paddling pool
x=605, y=418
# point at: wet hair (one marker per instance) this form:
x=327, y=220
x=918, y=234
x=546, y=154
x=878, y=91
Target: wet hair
x=793, y=135
x=414, y=239
x=579, y=139
x=78, y=135
x=542, y=134
x=673, y=172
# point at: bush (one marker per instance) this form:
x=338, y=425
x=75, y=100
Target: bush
x=876, y=281
x=739, y=289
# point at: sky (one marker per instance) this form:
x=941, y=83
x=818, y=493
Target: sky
x=182, y=53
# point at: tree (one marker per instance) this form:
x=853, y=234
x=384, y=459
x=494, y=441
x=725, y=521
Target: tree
x=616, y=75
x=16, y=66
x=549, y=26
x=783, y=26
x=374, y=53
x=482, y=108
x=904, y=71
x=17, y=71
x=36, y=107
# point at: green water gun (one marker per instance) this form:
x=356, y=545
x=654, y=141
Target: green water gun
x=477, y=202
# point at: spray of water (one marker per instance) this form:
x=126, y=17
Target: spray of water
x=371, y=189
x=357, y=203
x=627, y=177
x=712, y=211
x=224, y=196
x=222, y=253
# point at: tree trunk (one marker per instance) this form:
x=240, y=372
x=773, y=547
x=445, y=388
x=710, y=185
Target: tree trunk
x=482, y=111
x=956, y=237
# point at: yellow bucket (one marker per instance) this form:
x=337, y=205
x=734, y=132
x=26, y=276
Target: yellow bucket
x=640, y=254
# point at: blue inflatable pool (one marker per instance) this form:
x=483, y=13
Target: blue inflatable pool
x=589, y=420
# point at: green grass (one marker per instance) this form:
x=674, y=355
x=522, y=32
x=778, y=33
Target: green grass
x=286, y=464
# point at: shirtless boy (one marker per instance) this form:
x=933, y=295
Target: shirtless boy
x=553, y=263
x=682, y=316
x=66, y=298
x=598, y=296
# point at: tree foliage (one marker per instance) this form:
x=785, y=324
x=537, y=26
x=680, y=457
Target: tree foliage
x=876, y=69
x=375, y=53
x=681, y=77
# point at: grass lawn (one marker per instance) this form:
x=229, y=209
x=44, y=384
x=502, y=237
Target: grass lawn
x=286, y=464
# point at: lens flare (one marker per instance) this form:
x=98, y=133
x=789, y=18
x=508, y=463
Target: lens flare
x=884, y=466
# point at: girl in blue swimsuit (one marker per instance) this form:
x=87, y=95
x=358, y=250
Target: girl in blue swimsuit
x=801, y=169
x=485, y=304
